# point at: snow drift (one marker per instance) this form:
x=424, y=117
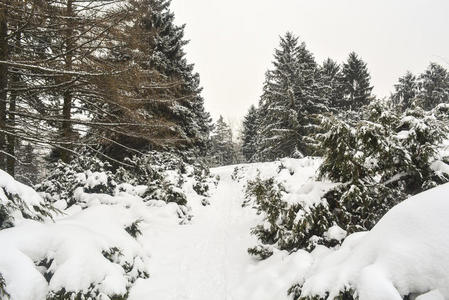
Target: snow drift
x=406, y=253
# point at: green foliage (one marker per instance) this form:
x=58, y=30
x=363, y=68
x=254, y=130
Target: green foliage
x=134, y=229
x=286, y=226
x=379, y=161
x=223, y=151
x=163, y=173
x=3, y=293
x=356, y=84
x=86, y=172
x=12, y=201
x=348, y=293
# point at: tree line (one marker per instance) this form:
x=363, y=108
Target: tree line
x=299, y=94
x=105, y=77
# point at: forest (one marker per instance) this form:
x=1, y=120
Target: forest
x=116, y=183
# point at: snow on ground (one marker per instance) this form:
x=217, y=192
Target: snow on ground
x=405, y=253
x=208, y=258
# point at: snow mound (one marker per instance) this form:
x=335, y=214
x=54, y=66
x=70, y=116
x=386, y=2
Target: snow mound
x=92, y=251
x=18, y=201
x=297, y=176
x=406, y=253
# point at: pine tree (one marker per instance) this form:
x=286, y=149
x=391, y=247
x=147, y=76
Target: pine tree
x=222, y=150
x=355, y=83
x=249, y=133
x=170, y=89
x=433, y=86
x=168, y=57
x=289, y=103
x=330, y=84
x=279, y=134
x=405, y=91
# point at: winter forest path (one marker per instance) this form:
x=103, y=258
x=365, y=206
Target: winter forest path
x=206, y=259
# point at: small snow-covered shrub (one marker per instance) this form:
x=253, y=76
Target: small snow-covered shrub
x=163, y=175
x=90, y=255
x=20, y=201
x=287, y=226
x=380, y=160
x=87, y=173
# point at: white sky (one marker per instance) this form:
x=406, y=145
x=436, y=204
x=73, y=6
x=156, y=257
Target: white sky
x=232, y=41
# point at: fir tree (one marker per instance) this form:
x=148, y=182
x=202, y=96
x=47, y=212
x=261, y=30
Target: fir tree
x=249, y=133
x=289, y=103
x=223, y=150
x=330, y=84
x=433, y=86
x=405, y=91
x=355, y=83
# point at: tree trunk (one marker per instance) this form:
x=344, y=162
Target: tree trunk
x=15, y=79
x=3, y=83
x=67, y=132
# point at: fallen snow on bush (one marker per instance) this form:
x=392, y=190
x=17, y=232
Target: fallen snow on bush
x=90, y=250
x=406, y=253
x=18, y=201
x=126, y=246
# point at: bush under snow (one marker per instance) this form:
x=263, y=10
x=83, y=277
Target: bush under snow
x=405, y=254
x=18, y=201
x=91, y=249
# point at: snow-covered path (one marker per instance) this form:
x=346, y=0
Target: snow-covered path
x=207, y=259
x=204, y=259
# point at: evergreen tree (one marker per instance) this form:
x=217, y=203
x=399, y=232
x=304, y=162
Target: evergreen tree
x=289, y=103
x=222, y=150
x=355, y=83
x=405, y=91
x=330, y=84
x=279, y=134
x=168, y=57
x=433, y=86
x=166, y=91
x=249, y=133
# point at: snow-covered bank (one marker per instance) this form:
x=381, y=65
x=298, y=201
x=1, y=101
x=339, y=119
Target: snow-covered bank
x=123, y=245
x=405, y=253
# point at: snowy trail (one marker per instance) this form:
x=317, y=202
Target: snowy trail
x=205, y=259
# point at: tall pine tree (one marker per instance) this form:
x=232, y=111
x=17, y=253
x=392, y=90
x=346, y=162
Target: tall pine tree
x=279, y=132
x=289, y=104
x=249, y=133
x=356, y=83
x=405, y=91
x=433, y=87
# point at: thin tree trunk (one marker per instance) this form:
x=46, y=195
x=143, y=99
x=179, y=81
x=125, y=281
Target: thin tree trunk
x=67, y=95
x=15, y=79
x=3, y=82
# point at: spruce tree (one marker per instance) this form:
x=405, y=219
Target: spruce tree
x=433, y=86
x=330, y=84
x=222, y=150
x=355, y=83
x=279, y=134
x=167, y=90
x=249, y=133
x=168, y=56
x=405, y=91
x=289, y=103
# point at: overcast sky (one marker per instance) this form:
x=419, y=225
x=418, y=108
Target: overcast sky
x=232, y=41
